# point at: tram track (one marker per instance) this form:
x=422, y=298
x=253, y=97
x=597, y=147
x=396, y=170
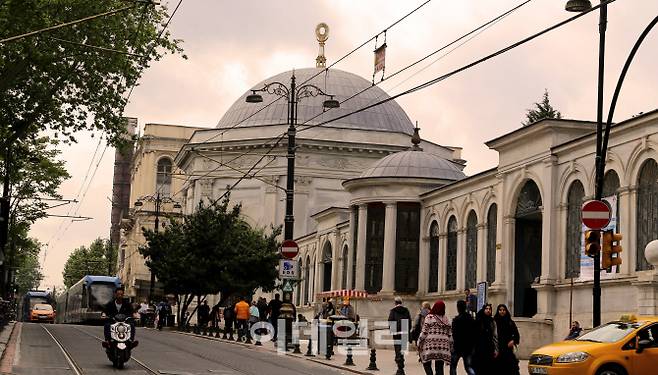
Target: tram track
x=75, y=367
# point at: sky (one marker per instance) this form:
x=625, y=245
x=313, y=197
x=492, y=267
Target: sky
x=232, y=45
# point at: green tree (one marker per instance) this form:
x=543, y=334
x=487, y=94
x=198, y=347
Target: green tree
x=57, y=81
x=542, y=110
x=212, y=251
x=26, y=264
x=98, y=259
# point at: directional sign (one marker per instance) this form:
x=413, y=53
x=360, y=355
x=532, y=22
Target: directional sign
x=289, y=249
x=288, y=269
x=596, y=214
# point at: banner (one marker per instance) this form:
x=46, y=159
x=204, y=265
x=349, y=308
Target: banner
x=380, y=58
x=587, y=263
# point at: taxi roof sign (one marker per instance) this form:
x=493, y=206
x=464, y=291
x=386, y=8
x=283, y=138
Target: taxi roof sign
x=628, y=318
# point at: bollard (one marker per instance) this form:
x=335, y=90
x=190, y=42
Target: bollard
x=309, y=349
x=349, y=361
x=372, y=366
x=296, y=350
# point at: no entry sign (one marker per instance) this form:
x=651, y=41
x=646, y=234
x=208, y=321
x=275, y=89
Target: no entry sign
x=289, y=249
x=596, y=215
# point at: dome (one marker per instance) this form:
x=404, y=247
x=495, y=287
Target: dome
x=387, y=117
x=415, y=164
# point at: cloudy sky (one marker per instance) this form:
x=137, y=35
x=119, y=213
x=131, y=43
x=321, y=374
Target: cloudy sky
x=232, y=45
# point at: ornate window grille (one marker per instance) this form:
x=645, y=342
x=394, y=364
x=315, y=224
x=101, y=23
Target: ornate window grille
x=451, y=256
x=647, y=211
x=433, y=285
x=471, y=249
x=574, y=229
x=492, y=227
x=374, y=247
x=407, y=247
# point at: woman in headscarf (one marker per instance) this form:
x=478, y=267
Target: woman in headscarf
x=508, y=338
x=435, y=340
x=486, y=343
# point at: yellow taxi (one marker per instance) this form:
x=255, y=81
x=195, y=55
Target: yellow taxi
x=42, y=312
x=628, y=346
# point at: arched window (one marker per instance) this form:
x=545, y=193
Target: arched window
x=307, y=276
x=471, y=249
x=407, y=240
x=326, y=266
x=492, y=227
x=375, y=247
x=611, y=188
x=163, y=179
x=451, y=256
x=345, y=264
x=574, y=229
x=433, y=285
x=647, y=211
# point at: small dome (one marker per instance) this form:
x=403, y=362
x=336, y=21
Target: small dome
x=387, y=117
x=415, y=164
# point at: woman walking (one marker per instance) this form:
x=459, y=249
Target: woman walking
x=508, y=339
x=486, y=343
x=435, y=340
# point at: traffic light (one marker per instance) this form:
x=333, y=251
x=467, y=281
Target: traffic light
x=611, y=247
x=592, y=242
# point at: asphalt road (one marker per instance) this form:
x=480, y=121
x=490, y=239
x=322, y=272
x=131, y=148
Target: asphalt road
x=77, y=350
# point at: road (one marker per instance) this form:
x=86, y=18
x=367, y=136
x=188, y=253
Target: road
x=47, y=349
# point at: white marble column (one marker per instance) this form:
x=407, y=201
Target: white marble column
x=627, y=200
x=361, y=248
x=443, y=260
x=336, y=264
x=423, y=263
x=505, y=266
x=390, y=227
x=461, y=258
x=549, y=239
x=481, y=254
x=351, y=249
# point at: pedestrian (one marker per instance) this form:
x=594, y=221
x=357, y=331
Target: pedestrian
x=574, y=331
x=418, y=321
x=254, y=314
x=143, y=313
x=242, y=317
x=471, y=301
x=274, y=309
x=463, y=335
x=229, y=320
x=399, y=320
x=435, y=340
x=163, y=313
x=508, y=339
x=262, y=309
x=486, y=344
x=203, y=314
x=347, y=310
x=214, y=316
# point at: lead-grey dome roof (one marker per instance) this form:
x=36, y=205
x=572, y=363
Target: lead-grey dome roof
x=387, y=117
x=415, y=164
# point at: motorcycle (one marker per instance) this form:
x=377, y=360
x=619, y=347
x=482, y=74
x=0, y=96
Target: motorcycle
x=120, y=345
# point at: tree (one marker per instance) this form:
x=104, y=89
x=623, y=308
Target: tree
x=212, y=251
x=57, y=80
x=97, y=259
x=26, y=263
x=542, y=110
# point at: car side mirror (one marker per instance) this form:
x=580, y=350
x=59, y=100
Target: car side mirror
x=643, y=344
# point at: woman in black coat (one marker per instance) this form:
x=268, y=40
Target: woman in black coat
x=508, y=338
x=486, y=343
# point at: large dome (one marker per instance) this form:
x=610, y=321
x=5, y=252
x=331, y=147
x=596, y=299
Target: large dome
x=388, y=117
x=414, y=164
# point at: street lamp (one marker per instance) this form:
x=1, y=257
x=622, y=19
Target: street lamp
x=599, y=163
x=292, y=94
x=158, y=200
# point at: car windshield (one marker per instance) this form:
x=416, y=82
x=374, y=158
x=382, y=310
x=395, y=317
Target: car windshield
x=611, y=332
x=43, y=307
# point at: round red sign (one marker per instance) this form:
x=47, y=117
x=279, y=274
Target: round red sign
x=289, y=249
x=596, y=215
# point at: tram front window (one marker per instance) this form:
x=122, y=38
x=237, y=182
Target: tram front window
x=101, y=294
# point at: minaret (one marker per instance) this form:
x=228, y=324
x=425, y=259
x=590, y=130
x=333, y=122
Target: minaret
x=322, y=34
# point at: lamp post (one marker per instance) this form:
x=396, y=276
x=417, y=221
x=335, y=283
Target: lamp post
x=599, y=162
x=292, y=94
x=158, y=200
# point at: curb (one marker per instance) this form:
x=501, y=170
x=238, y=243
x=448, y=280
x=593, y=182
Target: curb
x=5, y=336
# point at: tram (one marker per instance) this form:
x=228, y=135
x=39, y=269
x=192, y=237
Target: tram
x=83, y=302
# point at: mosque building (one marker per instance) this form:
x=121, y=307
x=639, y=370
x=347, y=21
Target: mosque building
x=382, y=212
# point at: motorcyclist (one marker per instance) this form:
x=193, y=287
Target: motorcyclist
x=118, y=305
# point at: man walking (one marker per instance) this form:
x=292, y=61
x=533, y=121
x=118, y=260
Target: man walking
x=242, y=316
x=399, y=320
x=463, y=335
x=203, y=314
x=274, y=308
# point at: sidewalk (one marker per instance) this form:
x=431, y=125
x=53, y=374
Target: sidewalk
x=385, y=358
